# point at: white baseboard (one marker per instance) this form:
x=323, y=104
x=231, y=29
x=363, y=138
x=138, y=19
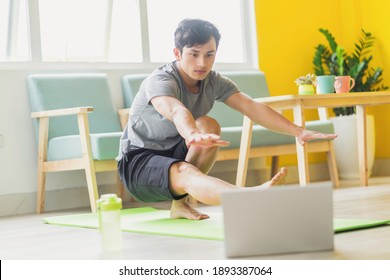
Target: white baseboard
x=69, y=198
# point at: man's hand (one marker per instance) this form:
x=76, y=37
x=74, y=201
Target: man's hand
x=308, y=135
x=207, y=140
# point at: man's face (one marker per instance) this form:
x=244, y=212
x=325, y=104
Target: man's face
x=197, y=61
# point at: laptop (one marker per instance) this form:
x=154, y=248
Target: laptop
x=279, y=220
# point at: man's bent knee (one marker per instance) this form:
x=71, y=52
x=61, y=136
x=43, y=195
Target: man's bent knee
x=207, y=124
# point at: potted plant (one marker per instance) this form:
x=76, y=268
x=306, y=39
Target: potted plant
x=334, y=60
x=306, y=84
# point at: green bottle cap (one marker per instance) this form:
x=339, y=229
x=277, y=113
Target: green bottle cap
x=108, y=202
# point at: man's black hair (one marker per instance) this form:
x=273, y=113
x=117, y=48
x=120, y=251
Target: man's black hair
x=192, y=32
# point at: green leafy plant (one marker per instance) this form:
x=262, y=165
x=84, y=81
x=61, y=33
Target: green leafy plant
x=340, y=60
x=305, y=80
x=333, y=60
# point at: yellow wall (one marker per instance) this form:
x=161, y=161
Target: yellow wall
x=288, y=33
x=375, y=19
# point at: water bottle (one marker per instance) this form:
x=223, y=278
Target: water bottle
x=109, y=206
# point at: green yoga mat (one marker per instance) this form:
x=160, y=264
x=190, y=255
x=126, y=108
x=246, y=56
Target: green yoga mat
x=148, y=220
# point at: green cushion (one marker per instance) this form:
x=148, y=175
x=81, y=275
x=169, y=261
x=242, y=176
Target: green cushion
x=104, y=146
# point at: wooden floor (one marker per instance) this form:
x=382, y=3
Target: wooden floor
x=27, y=237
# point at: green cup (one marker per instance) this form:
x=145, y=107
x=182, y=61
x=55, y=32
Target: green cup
x=325, y=84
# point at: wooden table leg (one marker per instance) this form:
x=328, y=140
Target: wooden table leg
x=303, y=165
x=362, y=143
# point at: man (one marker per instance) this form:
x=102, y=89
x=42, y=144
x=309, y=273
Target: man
x=170, y=144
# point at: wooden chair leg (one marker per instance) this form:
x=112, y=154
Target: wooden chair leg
x=42, y=157
x=334, y=175
x=93, y=193
x=41, y=191
x=245, y=146
x=88, y=160
x=274, y=166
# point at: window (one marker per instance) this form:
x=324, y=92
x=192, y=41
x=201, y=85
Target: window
x=163, y=17
x=125, y=39
x=136, y=33
x=90, y=30
x=14, y=39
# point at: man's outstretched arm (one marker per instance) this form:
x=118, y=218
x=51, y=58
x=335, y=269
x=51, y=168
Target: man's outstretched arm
x=175, y=111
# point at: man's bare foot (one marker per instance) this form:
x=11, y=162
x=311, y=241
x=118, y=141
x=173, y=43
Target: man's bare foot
x=181, y=209
x=192, y=201
x=278, y=179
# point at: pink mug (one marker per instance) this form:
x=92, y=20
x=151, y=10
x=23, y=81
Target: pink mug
x=344, y=84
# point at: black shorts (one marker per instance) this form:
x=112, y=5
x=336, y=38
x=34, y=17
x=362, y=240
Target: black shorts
x=145, y=173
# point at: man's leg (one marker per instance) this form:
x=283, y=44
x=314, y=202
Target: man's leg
x=186, y=178
x=202, y=157
x=190, y=176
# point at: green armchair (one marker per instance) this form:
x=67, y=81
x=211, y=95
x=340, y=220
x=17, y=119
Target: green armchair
x=84, y=128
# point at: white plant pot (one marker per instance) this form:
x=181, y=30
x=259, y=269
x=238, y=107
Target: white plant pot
x=346, y=149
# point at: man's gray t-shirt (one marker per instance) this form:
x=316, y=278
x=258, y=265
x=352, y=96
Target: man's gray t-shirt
x=148, y=129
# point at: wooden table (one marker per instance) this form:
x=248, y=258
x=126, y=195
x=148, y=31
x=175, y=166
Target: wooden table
x=298, y=103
